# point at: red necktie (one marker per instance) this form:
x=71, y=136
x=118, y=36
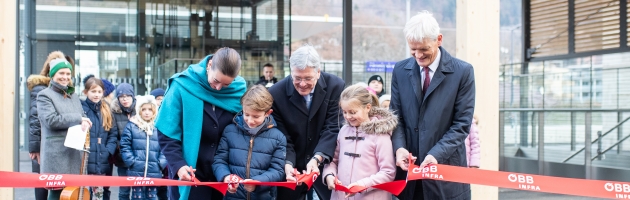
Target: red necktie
x=427, y=80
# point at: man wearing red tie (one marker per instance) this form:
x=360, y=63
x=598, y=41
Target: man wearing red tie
x=434, y=96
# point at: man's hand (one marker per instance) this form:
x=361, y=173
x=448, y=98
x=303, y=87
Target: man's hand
x=288, y=171
x=428, y=160
x=232, y=186
x=248, y=187
x=312, y=165
x=331, y=181
x=183, y=173
x=402, y=159
x=34, y=156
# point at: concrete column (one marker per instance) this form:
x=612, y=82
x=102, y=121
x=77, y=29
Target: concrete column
x=8, y=50
x=478, y=44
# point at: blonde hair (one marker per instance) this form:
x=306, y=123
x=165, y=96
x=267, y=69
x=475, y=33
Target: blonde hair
x=153, y=108
x=144, y=100
x=106, y=113
x=257, y=98
x=360, y=93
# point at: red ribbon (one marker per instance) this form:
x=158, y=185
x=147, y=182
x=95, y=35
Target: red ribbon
x=520, y=181
x=307, y=179
x=236, y=179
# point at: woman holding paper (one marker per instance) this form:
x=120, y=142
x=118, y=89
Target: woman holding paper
x=35, y=84
x=59, y=108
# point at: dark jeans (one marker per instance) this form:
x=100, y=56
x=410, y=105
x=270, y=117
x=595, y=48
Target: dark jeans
x=162, y=191
x=123, y=192
x=144, y=192
x=40, y=193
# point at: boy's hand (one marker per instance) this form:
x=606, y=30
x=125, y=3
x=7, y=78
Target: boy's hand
x=232, y=186
x=249, y=187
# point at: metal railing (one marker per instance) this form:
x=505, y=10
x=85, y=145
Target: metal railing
x=599, y=137
x=542, y=136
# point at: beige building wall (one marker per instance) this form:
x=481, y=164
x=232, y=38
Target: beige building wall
x=8, y=42
x=478, y=44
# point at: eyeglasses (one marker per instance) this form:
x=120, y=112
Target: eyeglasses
x=300, y=79
x=125, y=97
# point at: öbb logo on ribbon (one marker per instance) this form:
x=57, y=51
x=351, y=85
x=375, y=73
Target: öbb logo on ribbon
x=50, y=177
x=524, y=181
x=618, y=187
x=428, y=172
x=52, y=180
x=141, y=181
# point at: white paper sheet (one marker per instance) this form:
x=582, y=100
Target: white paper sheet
x=75, y=138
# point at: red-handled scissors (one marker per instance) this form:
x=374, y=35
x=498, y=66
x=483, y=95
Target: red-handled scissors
x=192, y=175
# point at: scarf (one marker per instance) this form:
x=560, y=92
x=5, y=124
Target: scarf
x=128, y=111
x=65, y=90
x=255, y=130
x=181, y=117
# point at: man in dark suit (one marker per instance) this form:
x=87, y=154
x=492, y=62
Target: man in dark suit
x=434, y=96
x=306, y=109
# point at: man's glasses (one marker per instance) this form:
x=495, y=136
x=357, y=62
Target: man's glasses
x=300, y=79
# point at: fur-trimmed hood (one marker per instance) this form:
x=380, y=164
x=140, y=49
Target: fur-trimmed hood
x=35, y=80
x=382, y=121
x=115, y=105
x=117, y=109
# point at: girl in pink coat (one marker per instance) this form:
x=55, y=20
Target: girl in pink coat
x=473, y=149
x=364, y=154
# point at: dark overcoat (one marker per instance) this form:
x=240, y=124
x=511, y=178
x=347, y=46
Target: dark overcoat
x=436, y=123
x=308, y=130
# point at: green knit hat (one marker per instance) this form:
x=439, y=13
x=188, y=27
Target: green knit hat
x=57, y=64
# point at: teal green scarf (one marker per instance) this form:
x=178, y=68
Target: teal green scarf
x=181, y=113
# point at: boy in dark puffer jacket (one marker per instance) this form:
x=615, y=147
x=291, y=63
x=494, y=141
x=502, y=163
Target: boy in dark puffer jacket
x=251, y=148
x=140, y=148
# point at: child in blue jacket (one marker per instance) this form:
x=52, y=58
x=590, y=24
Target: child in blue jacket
x=140, y=148
x=251, y=148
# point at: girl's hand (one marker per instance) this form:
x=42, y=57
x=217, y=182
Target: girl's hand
x=331, y=181
x=348, y=195
x=248, y=187
x=85, y=124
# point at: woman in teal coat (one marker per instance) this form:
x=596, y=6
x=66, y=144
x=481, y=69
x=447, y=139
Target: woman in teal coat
x=199, y=103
